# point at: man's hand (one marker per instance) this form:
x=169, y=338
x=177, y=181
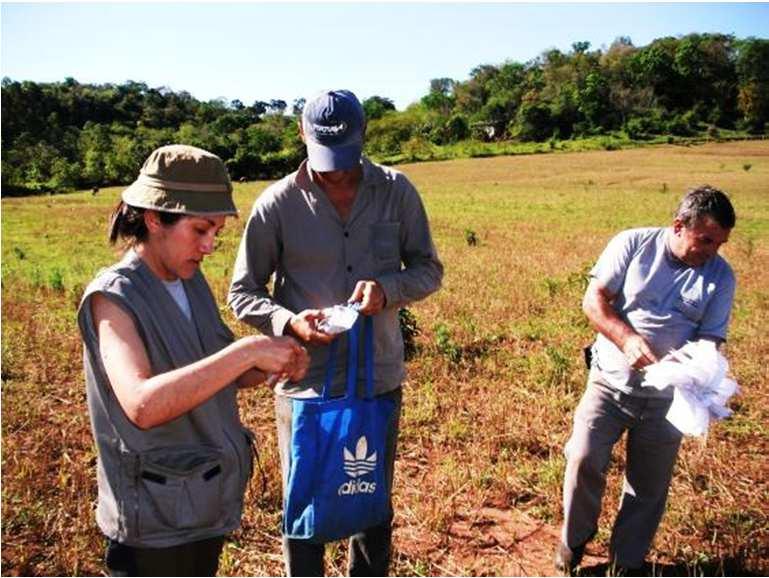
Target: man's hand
x=637, y=352
x=371, y=297
x=597, y=305
x=304, y=326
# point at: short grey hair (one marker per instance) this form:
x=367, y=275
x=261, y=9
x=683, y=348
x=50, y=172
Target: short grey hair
x=706, y=201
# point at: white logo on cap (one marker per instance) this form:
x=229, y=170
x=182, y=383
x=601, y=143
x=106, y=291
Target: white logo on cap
x=332, y=130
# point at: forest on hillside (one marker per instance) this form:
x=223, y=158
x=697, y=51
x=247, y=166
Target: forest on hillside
x=65, y=135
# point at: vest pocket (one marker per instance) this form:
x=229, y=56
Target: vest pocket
x=179, y=488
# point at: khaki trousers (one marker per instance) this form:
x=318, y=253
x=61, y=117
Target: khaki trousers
x=601, y=418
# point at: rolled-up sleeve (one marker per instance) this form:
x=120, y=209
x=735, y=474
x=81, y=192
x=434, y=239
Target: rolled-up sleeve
x=258, y=256
x=422, y=270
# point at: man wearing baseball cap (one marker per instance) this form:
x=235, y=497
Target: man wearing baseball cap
x=339, y=229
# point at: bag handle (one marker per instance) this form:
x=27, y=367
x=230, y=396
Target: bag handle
x=353, y=337
x=326, y=393
x=368, y=353
x=352, y=359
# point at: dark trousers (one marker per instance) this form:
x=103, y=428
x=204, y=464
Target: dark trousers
x=199, y=558
x=370, y=549
x=369, y=554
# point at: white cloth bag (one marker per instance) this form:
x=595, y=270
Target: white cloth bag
x=701, y=389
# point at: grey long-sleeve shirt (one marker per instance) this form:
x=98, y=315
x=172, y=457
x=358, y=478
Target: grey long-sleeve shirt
x=296, y=233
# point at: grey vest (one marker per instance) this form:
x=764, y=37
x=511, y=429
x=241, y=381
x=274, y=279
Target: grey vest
x=183, y=480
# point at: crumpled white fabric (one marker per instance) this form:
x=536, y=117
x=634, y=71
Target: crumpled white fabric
x=697, y=371
x=339, y=318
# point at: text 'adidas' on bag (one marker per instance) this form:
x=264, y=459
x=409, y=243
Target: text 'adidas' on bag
x=337, y=483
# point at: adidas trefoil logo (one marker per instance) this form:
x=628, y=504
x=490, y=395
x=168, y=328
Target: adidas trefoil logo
x=356, y=466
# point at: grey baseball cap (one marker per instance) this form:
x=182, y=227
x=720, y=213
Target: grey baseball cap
x=333, y=123
x=182, y=179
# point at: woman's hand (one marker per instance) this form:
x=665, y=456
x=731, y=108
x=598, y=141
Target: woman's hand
x=281, y=356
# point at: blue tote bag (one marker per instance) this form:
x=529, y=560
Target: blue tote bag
x=337, y=483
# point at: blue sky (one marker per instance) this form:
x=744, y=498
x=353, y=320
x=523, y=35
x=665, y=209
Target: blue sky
x=261, y=51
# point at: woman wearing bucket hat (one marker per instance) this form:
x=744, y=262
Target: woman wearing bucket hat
x=162, y=371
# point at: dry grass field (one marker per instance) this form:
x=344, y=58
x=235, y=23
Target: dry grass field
x=491, y=391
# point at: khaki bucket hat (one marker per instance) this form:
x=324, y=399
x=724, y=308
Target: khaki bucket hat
x=182, y=179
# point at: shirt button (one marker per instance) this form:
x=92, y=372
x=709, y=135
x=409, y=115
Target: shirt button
x=349, y=269
x=346, y=234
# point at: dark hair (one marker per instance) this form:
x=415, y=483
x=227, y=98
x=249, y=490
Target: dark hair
x=706, y=201
x=127, y=223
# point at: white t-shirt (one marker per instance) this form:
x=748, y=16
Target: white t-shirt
x=176, y=289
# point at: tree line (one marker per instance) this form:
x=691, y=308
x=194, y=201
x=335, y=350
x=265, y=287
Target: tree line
x=65, y=135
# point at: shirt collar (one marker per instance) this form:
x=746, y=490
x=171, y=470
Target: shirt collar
x=370, y=174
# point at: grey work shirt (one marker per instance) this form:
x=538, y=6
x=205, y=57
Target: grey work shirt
x=295, y=233
x=662, y=298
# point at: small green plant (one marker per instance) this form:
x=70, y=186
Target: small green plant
x=56, y=280
x=409, y=331
x=552, y=286
x=445, y=344
x=20, y=254
x=559, y=366
x=580, y=279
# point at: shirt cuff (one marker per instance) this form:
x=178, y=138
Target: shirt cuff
x=389, y=284
x=279, y=320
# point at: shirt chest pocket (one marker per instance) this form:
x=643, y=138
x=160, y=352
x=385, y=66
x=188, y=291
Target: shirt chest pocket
x=691, y=304
x=385, y=246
